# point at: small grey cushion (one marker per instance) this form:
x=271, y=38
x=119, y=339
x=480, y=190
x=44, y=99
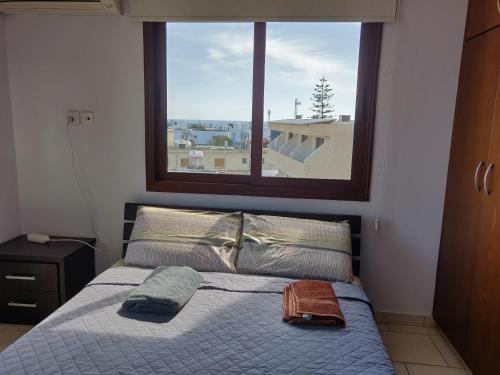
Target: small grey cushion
x=298, y=248
x=164, y=291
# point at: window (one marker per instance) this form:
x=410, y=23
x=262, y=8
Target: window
x=219, y=163
x=216, y=90
x=319, y=142
x=206, y=89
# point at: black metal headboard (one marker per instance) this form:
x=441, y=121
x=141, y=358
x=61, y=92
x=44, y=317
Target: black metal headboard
x=355, y=222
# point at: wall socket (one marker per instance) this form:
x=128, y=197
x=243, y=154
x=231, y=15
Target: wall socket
x=80, y=117
x=73, y=118
x=87, y=118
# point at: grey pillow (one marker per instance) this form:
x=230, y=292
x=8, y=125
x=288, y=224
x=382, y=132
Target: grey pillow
x=201, y=240
x=297, y=248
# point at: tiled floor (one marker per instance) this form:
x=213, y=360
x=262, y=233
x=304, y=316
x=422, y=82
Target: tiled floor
x=415, y=345
x=10, y=333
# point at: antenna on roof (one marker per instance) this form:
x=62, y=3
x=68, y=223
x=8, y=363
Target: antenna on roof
x=268, y=115
x=296, y=110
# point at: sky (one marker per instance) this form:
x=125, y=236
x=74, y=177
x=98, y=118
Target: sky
x=209, y=68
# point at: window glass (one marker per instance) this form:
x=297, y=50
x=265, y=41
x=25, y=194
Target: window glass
x=209, y=96
x=310, y=99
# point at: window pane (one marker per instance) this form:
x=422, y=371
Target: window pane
x=209, y=97
x=310, y=99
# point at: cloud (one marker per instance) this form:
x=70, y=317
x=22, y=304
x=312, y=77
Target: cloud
x=295, y=61
x=299, y=64
x=216, y=54
x=304, y=63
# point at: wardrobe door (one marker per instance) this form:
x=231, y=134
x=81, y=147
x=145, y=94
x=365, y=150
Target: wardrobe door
x=469, y=153
x=483, y=15
x=483, y=340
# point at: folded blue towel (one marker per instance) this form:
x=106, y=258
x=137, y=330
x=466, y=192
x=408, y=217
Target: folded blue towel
x=164, y=291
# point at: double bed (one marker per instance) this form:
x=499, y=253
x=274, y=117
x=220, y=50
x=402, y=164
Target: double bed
x=232, y=325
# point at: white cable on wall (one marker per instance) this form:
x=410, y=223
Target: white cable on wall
x=84, y=188
x=80, y=184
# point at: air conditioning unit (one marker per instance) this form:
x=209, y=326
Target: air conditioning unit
x=61, y=7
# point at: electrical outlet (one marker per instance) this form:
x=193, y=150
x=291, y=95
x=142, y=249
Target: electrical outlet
x=87, y=118
x=73, y=118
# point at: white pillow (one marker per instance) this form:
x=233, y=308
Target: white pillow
x=296, y=248
x=201, y=240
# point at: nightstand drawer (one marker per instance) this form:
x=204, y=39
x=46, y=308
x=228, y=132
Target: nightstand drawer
x=28, y=276
x=27, y=307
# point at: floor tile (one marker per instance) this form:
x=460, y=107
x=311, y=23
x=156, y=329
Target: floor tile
x=393, y=318
x=412, y=348
x=429, y=322
x=433, y=370
x=447, y=352
x=15, y=327
x=8, y=337
x=400, y=368
x=383, y=327
x=413, y=329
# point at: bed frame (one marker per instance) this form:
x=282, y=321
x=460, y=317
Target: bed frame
x=355, y=222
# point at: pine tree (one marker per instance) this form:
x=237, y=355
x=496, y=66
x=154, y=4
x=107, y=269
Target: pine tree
x=321, y=97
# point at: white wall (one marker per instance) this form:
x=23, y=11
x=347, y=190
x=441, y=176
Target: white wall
x=9, y=205
x=58, y=63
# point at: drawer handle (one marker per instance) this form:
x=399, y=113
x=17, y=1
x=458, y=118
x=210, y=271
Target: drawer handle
x=27, y=305
x=19, y=277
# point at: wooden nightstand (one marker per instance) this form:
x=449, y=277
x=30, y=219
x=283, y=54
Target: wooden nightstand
x=35, y=279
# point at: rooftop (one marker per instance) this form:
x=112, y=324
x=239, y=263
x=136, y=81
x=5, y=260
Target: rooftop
x=304, y=121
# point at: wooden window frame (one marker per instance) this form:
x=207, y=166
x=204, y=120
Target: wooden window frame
x=159, y=179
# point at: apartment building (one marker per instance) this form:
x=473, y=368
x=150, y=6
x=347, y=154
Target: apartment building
x=311, y=148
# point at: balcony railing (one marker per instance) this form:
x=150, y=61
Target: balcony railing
x=293, y=149
x=277, y=142
x=290, y=145
x=302, y=152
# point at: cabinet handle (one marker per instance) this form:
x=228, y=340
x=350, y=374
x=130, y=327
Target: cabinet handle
x=486, y=180
x=18, y=277
x=498, y=6
x=477, y=184
x=27, y=305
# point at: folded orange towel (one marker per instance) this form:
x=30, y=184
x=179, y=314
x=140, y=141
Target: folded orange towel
x=311, y=302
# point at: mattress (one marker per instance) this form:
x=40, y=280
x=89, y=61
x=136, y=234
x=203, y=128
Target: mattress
x=232, y=325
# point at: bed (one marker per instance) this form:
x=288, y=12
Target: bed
x=231, y=325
